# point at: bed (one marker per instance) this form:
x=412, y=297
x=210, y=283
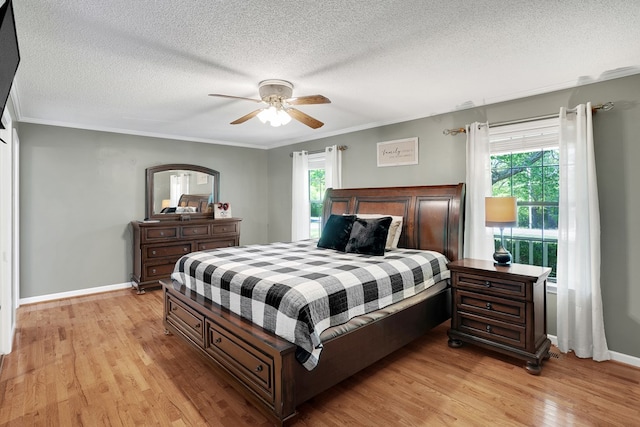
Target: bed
x=266, y=368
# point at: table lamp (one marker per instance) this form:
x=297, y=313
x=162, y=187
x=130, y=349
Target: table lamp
x=501, y=212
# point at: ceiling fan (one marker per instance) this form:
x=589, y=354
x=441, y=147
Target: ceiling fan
x=278, y=110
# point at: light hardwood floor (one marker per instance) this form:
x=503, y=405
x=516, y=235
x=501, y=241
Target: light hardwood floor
x=105, y=360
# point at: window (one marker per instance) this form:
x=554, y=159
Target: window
x=525, y=165
x=317, y=189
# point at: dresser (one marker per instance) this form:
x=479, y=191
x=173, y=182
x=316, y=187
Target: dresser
x=501, y=308
x=157, y=246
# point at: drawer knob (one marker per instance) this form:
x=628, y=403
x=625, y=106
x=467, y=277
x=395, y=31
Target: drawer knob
x=488, y=328
x=224, y=228
x=218, y=340
x=162, y=233
x=195, y=230
x=230, y=244
x=259, y=368
x=488, y=306
x=153, y=270
x=197, y=326
x=174, y=308
x=184, y=249
x=153, y=252
x=487, y=284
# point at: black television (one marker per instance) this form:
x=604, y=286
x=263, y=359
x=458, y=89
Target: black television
x=9, y=53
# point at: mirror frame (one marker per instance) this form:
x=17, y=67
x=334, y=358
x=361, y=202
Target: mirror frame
x=150, y=172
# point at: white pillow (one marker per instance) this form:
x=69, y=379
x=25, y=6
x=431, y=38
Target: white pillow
x=395, y=229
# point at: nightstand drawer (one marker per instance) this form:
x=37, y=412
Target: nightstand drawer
x=489, y=306
x=490, y=285
x=493, y=330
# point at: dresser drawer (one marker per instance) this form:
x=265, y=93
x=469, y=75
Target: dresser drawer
x=490, y=285
x=186, y=320
x=216, y=244
x=160, y=233
x=225, y=228
x=254, y=367
x=195, y=230
x=168, y=250
x=489, y=306
x=492, y=329
x=158, y=271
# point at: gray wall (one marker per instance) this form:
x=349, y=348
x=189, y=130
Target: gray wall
x=442, y=160
x=80, y=189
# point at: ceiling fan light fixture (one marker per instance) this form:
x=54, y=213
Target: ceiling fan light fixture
x=274, y=116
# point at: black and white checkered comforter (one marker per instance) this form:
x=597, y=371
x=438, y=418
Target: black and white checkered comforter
x=297, y=290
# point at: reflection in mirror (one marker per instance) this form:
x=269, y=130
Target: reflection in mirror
x=179, y=189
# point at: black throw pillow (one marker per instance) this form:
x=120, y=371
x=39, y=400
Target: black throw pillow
x=336, y=232
x=369, y=236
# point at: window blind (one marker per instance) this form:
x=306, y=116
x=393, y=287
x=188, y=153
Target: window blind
x=520, y=137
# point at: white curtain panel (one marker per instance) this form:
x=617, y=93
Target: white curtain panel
x=478, y=239
x=333, y=167
x=300, y=221
x=580, y=319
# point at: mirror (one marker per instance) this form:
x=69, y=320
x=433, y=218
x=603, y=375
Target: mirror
x=178, y=190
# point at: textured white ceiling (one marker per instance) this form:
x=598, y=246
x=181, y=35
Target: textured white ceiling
x=146, y=66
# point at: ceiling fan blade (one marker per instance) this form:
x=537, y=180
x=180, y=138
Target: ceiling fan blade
x=235, y=97
x=246, y=117
x=304, y=118
x=307, y=100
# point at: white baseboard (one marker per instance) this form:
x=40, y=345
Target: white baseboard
x=80, y=292
x=615, y=356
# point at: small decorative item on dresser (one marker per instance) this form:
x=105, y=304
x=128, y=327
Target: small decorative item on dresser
x=222, y=210
x=502, y=308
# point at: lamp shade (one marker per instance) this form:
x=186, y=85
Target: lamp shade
x=500, y=211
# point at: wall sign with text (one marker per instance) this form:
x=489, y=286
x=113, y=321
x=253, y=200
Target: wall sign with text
x=399, y=152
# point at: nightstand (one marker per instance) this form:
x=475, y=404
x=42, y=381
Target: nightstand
x=501, y=308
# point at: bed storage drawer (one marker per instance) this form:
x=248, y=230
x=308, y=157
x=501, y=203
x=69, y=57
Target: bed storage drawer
x=185, y=320
x=252, y=366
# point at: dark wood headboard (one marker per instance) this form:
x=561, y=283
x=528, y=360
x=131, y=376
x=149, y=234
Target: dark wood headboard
x=433, y=215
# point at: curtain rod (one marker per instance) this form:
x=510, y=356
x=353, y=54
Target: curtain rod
x=604, y=107
x=340, y=148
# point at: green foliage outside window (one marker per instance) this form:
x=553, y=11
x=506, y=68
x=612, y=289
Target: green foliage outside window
x=316, y=196
x=533, y=178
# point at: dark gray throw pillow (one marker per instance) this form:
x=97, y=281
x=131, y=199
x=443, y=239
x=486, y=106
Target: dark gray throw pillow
x=369, y=236
x=336, y=232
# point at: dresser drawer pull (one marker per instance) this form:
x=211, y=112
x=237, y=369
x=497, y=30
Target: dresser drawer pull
x=259, y=368
x=174, y=308
x=488, y=306
x=184, y=249
x=487, y=284
x=488, y=328
x=153, y=270
x=153, y=252
x=197, y=326
x=230, y=244
x=162, y=233
x=195, y=230
x=224, y=228
x=218, y=340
